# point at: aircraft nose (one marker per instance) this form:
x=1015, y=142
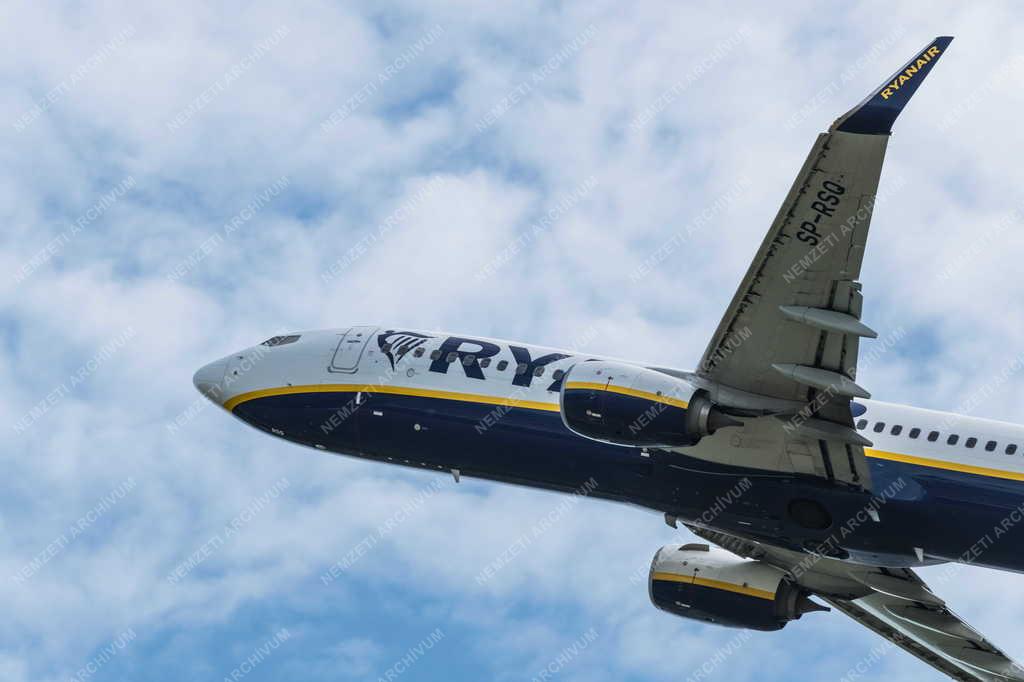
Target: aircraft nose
x=209, y=380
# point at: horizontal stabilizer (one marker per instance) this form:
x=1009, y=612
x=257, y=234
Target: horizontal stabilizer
x=876, y=114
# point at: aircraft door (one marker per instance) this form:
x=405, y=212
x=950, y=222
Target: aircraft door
x=350, y=349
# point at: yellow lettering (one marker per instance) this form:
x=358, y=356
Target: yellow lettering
x=911, y=70
x=933, y=50
x=895, y=85
x=887, y=93
x=903, y=79
x=921, y=62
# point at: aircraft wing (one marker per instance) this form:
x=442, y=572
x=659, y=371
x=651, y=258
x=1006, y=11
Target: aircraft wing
x=893, y=602
x=792, y=330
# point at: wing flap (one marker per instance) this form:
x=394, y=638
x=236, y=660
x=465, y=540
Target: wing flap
x=893, y=602
x=911, y=646
x=941, y=633
x=932, y=619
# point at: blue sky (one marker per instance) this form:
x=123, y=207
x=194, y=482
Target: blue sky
x=174, y=189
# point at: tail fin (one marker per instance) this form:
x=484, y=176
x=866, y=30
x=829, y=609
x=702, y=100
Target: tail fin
x=876, y=114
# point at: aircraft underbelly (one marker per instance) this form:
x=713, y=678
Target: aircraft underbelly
x=944, y=514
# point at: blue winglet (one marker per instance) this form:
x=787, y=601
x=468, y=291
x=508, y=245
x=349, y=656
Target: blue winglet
x=876, y=114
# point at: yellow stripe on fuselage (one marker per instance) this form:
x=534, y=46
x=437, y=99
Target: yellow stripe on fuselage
x=942, y=464
x=553, y=407
x=232, y=403
x=715, y=584
x=646, y=395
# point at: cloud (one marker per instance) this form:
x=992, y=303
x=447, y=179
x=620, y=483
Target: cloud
x=415, y=199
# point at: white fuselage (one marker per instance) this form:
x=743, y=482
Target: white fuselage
x=490, y=408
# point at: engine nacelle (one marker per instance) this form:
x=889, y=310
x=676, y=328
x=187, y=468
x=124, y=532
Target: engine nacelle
x=635, y=406
x=711, y=585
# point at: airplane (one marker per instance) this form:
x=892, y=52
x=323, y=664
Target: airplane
x=806, y=493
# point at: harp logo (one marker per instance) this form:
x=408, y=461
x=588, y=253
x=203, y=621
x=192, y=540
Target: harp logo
x=908, y=73
x=395, y=344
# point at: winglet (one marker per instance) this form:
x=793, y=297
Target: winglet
x=876, y=114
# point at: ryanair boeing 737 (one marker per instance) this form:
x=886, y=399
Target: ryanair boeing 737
x=807, y=492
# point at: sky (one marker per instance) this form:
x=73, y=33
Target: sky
x=182, y=180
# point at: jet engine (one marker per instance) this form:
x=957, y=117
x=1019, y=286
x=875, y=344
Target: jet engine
x=711, y=585
x=635, y=406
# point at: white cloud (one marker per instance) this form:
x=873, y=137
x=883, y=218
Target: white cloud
x=415, y=127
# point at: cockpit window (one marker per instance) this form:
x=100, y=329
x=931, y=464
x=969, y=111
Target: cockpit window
x=281, y=340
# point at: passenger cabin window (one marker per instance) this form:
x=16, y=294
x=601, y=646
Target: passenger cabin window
x=521, y=369
x=451, y=357
x=971, y=442
x=952, y=439
x=468, y=360
x=862, y=424
x=502, y=364
x=558, y=374
x=539, y=371
x=896, y=429
x=486, y=362
x=915, y=432
x=418, y=353
x=990, y=446
x=1011, y=448
x=879, y=427
x=933, y=436
x=434, y=355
